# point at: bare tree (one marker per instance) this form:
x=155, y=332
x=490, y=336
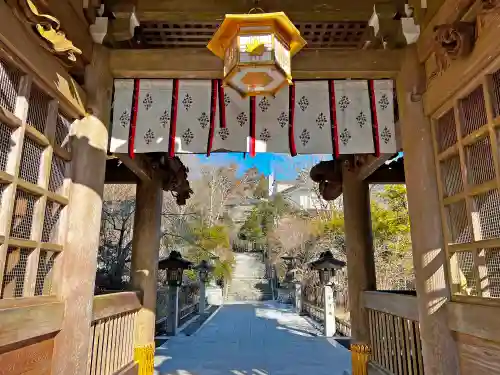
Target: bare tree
x=116, y=236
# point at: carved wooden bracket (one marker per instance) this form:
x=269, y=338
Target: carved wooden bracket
x=489, y=5
x=174, y=175
x=455, y=40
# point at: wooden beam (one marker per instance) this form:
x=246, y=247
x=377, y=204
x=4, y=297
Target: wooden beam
x=359, y=249
x=108, y=305
x=47, y=70
x=89, y=140
x=387, y=176
x=370, y=164
x=26, y=322
x=139, y=165
x=118, y=173
x=201, y=10
x=144, y=267
x=201, y=63
x=475, y=320
x=429, y=255
x=392, y=303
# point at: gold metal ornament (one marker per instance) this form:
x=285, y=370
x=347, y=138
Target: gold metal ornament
x=49, y=29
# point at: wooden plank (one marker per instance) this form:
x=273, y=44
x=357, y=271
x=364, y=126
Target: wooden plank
x=14, y=39
x=375, y=369
x=200, y=10
x=34, y=357
x=399, y=344
x=473, y=319
x=131, y=369
x=308, y=64
x=10, y=303
x=486, y=52
x=478, y=356
x=23, y=323
x=108, y=305
x=391, y=303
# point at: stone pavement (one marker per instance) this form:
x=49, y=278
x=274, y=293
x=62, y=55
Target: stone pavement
x=261, y=338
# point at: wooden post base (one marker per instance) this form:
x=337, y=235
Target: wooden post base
x=144, y=356
x=360, y=356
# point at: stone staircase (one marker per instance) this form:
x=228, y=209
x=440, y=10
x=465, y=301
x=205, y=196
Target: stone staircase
x=249, y=281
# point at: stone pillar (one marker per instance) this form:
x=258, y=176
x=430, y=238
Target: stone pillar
x=330, y=328
x=143, y=273
x=298, y=298
x=429, y=257
x=360, y=262
x=173, y=310
x=77, y=269
x=203, y=298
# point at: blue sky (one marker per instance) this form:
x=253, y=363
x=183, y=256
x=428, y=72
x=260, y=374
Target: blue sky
x=285, y=167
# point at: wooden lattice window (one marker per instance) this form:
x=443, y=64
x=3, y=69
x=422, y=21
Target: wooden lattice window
x=466, y=136
x=34, y=164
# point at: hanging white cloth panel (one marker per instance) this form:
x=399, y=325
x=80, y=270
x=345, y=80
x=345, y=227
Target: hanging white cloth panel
x=354, y=120
x=193, y=116
x=122, y=112
x=312, y=123
x=233, y=137
x=364, y=118
x=271, y=123
x=153, y=116
x=384, y=103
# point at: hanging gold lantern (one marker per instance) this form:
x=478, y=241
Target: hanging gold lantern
x=257, y=50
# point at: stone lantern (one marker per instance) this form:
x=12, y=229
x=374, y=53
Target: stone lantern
x=327, y=265
x=204, y=269
x=175, y=265
x=257, y=50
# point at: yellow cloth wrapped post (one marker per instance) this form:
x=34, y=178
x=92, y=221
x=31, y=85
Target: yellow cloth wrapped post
x=360, y=354
x=145, y=358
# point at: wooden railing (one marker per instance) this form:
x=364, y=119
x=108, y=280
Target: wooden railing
x=111, y=348
x=394, y=332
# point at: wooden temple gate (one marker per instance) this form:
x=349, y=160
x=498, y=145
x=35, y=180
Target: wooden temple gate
x=55, y=106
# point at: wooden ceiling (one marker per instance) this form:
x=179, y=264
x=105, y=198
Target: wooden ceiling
x=329, y=24
x=340, y=34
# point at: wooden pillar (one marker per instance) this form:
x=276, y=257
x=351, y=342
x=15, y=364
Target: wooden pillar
x=145, y=250
x=76, y=275
x=429, y=257
x=360, y=262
